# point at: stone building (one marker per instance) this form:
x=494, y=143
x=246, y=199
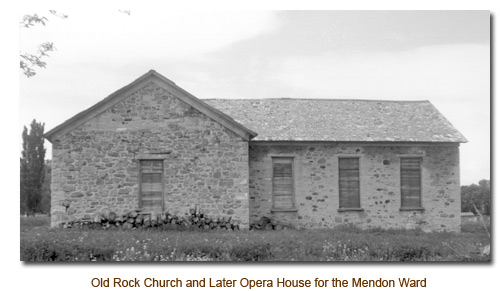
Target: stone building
x=310, y=163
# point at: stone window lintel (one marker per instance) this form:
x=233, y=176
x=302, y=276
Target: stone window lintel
x=284, y=210
x=151, y=157
x=350, y=209
x=411, y=209
x=421, y=156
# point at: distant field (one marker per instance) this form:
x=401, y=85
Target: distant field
x=40, y=243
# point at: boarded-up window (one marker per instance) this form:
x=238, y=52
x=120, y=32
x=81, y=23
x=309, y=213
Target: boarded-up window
x=349, y=183
x=283, y=183
x=151, y=198
x=410, y=182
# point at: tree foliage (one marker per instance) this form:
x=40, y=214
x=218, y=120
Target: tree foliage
x=32, y=168
x=477, y=194
x=33, y=19
x=30, y=61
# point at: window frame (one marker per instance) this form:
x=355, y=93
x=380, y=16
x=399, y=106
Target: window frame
x=341, y=208
x=420, y=160
x=294, y=203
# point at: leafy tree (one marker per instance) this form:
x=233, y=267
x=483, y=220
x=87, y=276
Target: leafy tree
x=32, y=167
x=479, y=195
x=29, y=61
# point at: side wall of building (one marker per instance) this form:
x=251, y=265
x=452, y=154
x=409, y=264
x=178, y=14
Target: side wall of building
x=316, y=184
x=95, y=167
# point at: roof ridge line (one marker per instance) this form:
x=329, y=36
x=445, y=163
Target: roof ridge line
x=316, y=99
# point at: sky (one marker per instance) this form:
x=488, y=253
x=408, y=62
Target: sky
x=440, y=56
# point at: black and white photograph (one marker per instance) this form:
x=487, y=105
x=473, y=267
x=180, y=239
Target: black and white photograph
x=256, y=135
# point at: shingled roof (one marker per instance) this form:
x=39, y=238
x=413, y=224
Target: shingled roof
x=288, y=119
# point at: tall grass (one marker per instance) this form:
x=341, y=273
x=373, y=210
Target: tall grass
x=39, y=243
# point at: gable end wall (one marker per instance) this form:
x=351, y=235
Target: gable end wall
x=96, y=165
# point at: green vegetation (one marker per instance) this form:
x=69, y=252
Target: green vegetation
x=476, y=195
x=40, y=243
x=477, y=227
x=32, y=172
x=30, y=61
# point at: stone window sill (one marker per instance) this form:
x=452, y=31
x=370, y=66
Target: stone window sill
x=284, y=210
x=350, y=209
x=411, y=209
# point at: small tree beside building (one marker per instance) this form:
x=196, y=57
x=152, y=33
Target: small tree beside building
x=32, y=168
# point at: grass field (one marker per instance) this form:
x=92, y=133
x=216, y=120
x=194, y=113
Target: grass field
x=40, y=243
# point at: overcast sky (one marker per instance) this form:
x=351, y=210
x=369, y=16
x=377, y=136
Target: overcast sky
x=443, y=57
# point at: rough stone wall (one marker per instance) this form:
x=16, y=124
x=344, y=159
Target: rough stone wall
x=317, y=190
x=96, y=166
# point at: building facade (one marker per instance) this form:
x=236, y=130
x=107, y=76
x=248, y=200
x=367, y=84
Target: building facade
x=305, y=163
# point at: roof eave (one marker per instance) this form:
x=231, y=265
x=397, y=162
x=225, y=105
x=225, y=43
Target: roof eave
x=376, y=142
x=163, y=82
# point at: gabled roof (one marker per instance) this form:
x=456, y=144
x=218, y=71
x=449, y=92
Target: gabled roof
x=340, y=120
x=287, y=119
x=123, y=93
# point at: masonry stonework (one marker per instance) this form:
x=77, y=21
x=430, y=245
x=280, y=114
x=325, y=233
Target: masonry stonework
x=96, y=165
x=316, y=186
x=217, y=154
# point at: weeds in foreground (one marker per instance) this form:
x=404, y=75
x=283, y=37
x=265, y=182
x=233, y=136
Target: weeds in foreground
x=40, y=243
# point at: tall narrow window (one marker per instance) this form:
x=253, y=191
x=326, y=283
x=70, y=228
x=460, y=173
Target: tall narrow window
x=410, y=183
x=283, y=184
x=151, y=185
x=349, y=183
